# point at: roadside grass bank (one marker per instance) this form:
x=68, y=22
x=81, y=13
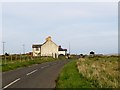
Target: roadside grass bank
x=91, y=72
x=24, y=63
x=102, y=72
x=71, y=78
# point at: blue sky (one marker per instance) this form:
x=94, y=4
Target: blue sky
x=85, y=25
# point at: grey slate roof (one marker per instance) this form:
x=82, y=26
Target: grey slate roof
x=61, y=49
x=37, y=46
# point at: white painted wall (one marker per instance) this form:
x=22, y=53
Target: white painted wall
x=35, y=53
x=62, y=52
x=49, y=49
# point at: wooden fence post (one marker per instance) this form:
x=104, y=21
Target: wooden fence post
x=15, y=57
x=5, y=60
x=27, y=58
x=11, y=58
x=20, y=58
x=31, y=58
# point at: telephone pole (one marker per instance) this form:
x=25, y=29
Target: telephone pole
x=3, y=48
x=69, y=47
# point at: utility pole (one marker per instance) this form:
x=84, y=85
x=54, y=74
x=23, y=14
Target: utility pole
x=3, y=48
x=69, y=47
x=23, y=48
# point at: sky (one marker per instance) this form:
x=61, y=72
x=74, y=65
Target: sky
x=85, y=26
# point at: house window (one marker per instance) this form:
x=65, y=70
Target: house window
x=37, y=49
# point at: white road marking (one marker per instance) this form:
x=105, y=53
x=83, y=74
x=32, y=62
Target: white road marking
x=11, y=83
x=45, y=66
x=31, y=72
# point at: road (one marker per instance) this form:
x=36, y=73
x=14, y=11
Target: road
x=35, y=76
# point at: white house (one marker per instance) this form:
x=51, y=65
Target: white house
x=48, y=48
x=62, y=51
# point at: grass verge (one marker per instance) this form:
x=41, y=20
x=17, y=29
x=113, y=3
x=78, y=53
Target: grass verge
x=24, y=63
x=70, y=77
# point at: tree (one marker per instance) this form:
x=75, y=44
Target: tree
x=6, y=54
x=92, y=52
x=82, y=56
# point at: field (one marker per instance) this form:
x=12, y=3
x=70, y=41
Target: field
x=94, y=72
x=103, y=72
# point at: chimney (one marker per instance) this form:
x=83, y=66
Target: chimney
x=48, y=38
x=60, y=46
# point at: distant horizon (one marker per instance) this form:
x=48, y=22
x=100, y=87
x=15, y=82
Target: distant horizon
x=87, y=26
x=72, y=53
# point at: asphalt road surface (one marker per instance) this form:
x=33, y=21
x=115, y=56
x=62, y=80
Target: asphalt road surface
x=36, y=76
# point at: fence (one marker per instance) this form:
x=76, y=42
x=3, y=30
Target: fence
x=13, y=58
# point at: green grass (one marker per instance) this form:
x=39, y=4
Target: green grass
x=90, y=72
x=70, y=78
x=24, y=63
